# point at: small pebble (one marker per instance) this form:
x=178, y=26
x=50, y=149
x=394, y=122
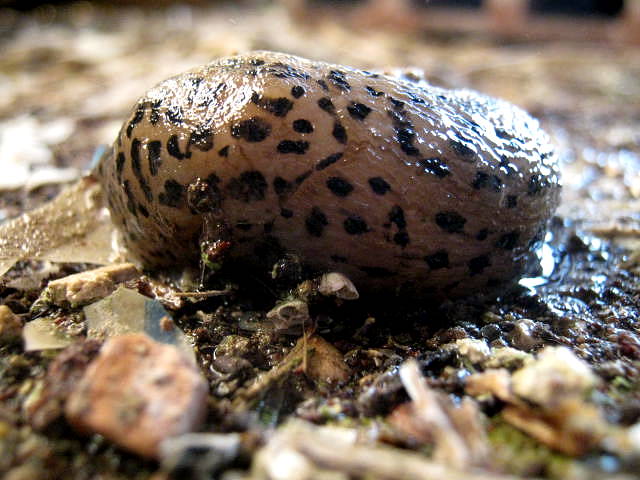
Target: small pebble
x=557, y=373
x=198, y=455
x=10, y=326
x=338, y=285
x=137, y=393
x=85, y=287
x=523, y=336
x=290, y=313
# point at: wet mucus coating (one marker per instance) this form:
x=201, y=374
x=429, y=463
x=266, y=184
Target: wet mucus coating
x=398, y=184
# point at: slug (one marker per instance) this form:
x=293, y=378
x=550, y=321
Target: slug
x=400, y=185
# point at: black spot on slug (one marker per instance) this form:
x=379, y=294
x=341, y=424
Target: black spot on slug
x=282, y=186
x=512, y=201
x=397, y=104
x=137, y=169
x=451, y=222
x=406, y=137
x=298, y=147
x=143, y=210
x=435, y=166
x=174, y=114
x=484, y=180
x=135, y=157
x=255, y=129
x=195, y=85
x=302, y=126
x=536, y=184
x=137, y=118
x=154, y=157
x=315, y=222
x=173, y=148
x=277, y=106
x=396, y=215
x=286, y=213
x=502, y=134
x=154, y=116
x=326, y=104
x=173, y=195
x=224, y=151
x=284, y=70
x=131, y=200
x=405, y=133
x=120, y=159
x=339, y=186
x=201, y=139
x=373, y=92
x=508, y=241
x=339, y=133
x=507, y=167
x=415, y=98
x=302, y=177
x=339, y=79
x=323, y=85
x=359, y=111
x=355, y=225
x=401, y=238
x=462, y=150
x=297, y=91
x=437, y=260
x=478, y=264
x=338, y=258
x=482, y=234
x=330, y=160
x=379, y=185
x=250, y=186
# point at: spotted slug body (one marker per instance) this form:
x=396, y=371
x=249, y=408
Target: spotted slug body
x=397, y=184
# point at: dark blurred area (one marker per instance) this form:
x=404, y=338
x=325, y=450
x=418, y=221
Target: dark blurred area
x=566, y=7
x=569, y=7
x=521, y=20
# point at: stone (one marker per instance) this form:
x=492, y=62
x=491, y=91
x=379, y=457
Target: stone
x=62, y=376
x=324, y=362
x=476, y=351
x=137, y=393
x=525, y=335
x=290, y=313
x=199, y=455
x=337, y=285
x=494, y=381
x=556, y=374
x=10, y=326
x=85, y=287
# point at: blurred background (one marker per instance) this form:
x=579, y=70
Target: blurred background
x=70, y=71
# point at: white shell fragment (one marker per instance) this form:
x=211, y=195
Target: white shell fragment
x=289, y=314
x=338, y=285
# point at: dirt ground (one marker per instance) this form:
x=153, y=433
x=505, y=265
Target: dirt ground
x=416, y=390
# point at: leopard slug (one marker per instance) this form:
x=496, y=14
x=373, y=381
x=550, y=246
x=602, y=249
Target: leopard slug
x=396, y=183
